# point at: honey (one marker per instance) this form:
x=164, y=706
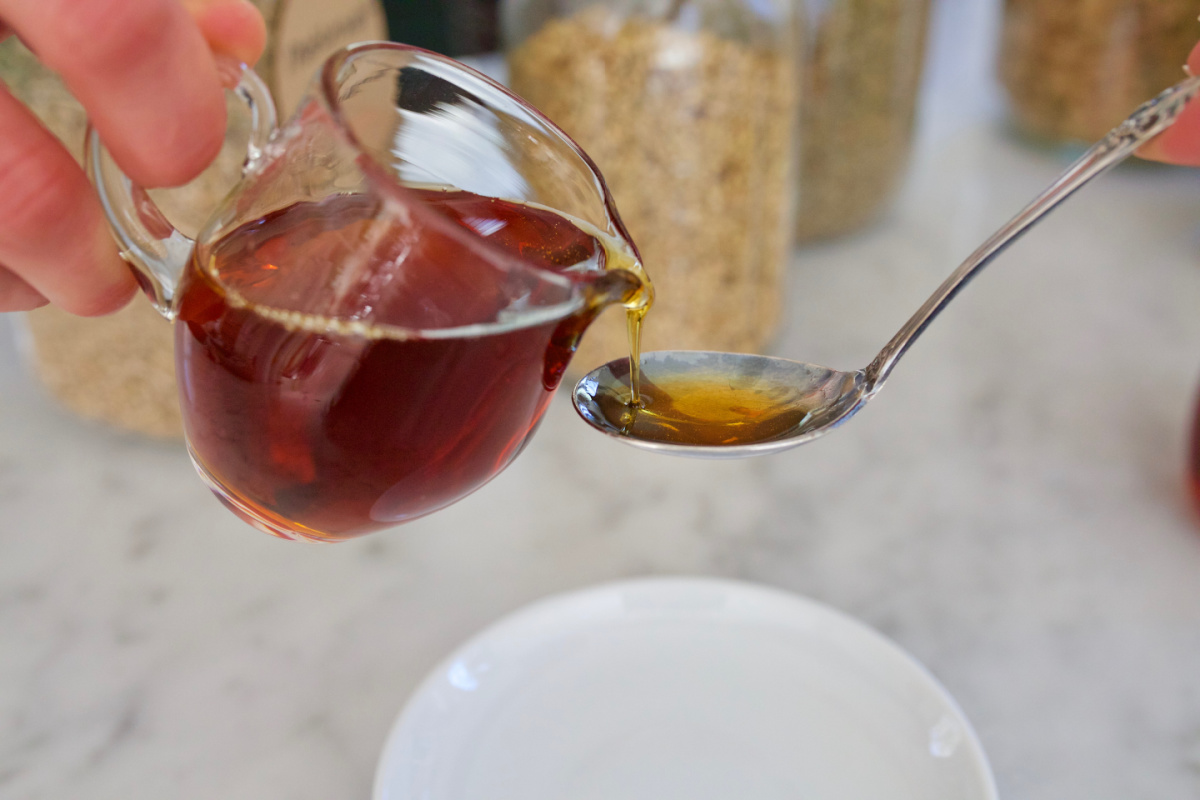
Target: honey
x=704, y=409
x=336, y=378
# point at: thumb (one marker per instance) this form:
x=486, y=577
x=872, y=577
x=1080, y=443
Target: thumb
x=1180, y=143
x=233, y=28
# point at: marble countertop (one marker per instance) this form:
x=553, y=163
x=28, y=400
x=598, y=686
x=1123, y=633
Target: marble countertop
x=1011, y=509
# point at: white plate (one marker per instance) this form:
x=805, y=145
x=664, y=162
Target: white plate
x=683, y=688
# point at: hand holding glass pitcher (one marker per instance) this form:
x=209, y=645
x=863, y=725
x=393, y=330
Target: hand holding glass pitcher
x=145, y=71
x=373, y=322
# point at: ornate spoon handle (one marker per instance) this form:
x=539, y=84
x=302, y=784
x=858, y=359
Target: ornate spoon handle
x=1151, y=119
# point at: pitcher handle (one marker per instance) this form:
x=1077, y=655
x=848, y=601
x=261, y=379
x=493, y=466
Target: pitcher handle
x=149, y=243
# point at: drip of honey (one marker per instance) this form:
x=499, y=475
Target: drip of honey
x=633, y=321
x=637, y=303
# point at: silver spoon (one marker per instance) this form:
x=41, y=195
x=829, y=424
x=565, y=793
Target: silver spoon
x=823, y=398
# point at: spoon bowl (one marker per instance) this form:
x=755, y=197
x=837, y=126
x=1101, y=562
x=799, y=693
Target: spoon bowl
x=813, y=400
x=733, y=405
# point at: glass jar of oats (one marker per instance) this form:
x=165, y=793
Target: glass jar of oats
x=688, y=108
x=1073, y=69
x=119, y=369
x=861, y=79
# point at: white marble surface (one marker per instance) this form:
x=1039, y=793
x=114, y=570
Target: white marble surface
x=1011, y=509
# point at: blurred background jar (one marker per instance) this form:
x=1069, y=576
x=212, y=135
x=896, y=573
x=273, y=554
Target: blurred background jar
x=688, y=108
x=1073, y=69
x=452, y=27
x=117, y=369
x=120, y=369
x=861, y=80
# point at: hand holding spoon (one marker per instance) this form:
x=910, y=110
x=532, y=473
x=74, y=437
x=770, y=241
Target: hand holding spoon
x=733, y=405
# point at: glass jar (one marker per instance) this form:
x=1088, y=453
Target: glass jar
x=301, y=33
x=688, y=108
x=1073, y=69
x=117, y=369
x=861, y=80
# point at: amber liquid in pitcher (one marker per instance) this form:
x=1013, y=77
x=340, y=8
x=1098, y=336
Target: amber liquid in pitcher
x=322, y=422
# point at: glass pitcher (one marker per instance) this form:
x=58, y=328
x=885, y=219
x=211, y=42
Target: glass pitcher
x=373, y=321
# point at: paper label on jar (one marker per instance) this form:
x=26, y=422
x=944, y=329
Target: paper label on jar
x=306, y=32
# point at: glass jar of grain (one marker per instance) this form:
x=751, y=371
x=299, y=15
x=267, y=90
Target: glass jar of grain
x=688, y=108
x=861, y=80
x=1073, y=69
x=117, y=369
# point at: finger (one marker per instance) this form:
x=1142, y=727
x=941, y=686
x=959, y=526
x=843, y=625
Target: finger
x=234, y=28
x=17, y=295
x=52, y=232
x=1180, y=143
x=144, y=73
